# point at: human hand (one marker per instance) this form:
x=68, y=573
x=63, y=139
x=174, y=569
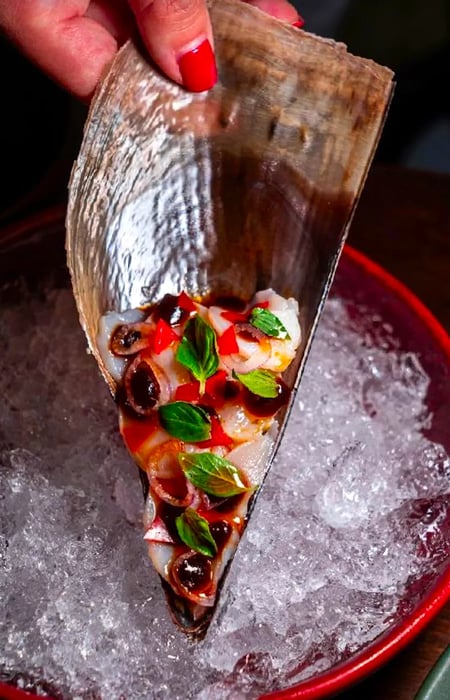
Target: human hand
x=74, y=40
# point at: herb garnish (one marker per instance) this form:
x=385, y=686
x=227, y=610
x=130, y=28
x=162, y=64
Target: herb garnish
x=194, y=531
x=261, y=382
x=213, y=474
x=197, y=350
x=185, y=422
x=267, y=322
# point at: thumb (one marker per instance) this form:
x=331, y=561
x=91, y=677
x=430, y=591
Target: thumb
x=178, y=36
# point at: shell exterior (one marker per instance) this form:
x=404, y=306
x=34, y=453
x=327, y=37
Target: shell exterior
x=248, y=186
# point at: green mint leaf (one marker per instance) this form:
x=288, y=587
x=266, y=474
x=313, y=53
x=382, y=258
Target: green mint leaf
x=260, y=382
x=185, y=421
x=197, y=350
x=194, y=531
x=212, y=474
x=268, y=323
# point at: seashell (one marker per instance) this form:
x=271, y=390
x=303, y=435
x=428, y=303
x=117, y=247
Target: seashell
x=248, y=186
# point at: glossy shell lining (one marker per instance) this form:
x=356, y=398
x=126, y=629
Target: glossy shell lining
x=250, y=185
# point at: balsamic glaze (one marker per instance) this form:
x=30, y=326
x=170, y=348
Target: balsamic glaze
x=262, y=407
x=123, y=339
x=169, y=311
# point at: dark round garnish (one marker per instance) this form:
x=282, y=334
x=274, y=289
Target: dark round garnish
x=129, y=338
x=141, y=387
x=262, y=407
x=220, y=530
x=169, y=311
x=231, y=390
x=144, y=386
x=194, y=572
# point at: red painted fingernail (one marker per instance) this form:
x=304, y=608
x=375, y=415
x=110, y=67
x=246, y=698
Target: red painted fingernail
x=299, y=23
x=198, y=68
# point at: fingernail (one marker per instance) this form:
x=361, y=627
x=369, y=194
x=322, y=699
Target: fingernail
x=198, y=68
x=299, y=23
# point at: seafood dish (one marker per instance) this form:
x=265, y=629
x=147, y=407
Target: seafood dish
x=199, y=386
x=188, y=208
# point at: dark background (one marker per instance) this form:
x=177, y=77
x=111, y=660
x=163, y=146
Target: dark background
x=41, y=125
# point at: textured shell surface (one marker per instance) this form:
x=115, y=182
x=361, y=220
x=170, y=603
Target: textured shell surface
x=248, y=186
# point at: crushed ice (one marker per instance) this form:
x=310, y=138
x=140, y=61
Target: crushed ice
x=348, y=517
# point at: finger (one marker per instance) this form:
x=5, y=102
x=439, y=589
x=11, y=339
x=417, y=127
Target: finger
x=178, y=36
x=281, y=9
x=115, y=16
x=73, y=49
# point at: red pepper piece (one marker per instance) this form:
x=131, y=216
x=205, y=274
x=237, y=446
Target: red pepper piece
x=164, y=336
x=235, y=316
x=227, y=343
x=189, y=392
x=185, y=302
x=218, y=435
x=261, y=305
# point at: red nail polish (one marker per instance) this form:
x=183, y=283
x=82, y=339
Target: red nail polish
x=299, y=23
x=198, y=68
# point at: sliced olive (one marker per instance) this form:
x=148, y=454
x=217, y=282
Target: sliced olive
x=141, y=387
x=194, y=572
x=130, y=338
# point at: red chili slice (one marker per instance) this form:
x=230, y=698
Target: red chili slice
x=227, y=343
x=164, y=336
x=186, y=302
x=189, y=392
x=218, y=435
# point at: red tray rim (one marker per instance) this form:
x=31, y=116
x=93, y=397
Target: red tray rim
x=384, y=648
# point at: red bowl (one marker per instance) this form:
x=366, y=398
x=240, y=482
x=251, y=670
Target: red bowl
x=358, y=279
x=420, y=332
